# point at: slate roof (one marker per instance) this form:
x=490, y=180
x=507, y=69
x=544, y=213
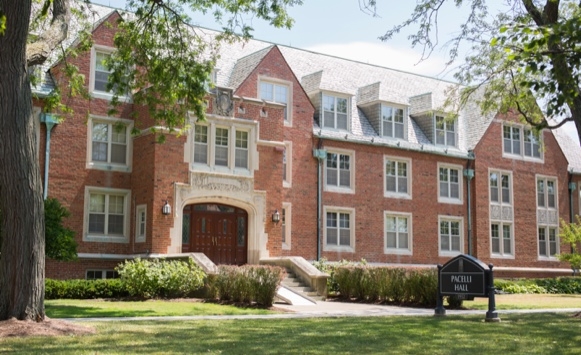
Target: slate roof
x=318, y=72
x=570, y=148
x=95, y=15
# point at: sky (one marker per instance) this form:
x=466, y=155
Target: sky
x=340, y=28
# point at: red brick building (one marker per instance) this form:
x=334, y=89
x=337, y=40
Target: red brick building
x=308, y=155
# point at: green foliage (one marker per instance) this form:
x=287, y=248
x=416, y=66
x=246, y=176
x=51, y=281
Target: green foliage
x=161, y=278
x=526, y=59
x=329, y=268
x=84, y=289
x=166, y=64
x=60, y=241
x=571, y=233
x=558, y=285
x=247, y=284
x=384, y=284
x=2, y=22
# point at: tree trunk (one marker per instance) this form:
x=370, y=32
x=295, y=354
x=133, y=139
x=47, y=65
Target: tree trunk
x=22, y=253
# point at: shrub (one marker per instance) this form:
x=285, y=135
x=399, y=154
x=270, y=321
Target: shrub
x=383, y=284
x=161, y=278
x=561, y=285
x=247, y=284
x=84, y=289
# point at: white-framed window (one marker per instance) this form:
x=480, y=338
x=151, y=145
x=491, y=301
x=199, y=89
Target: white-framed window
x=393, y=121
x=287, y=164
x=501, y=239
x=99, y=75
x=547, y=218
x=339, y=229
x=101, y=274
x=278, y=92
x=450, y=235
x=548, y=242
x=546, y=193
x=201, y=150
x=106, y=215
x=445, y=131
x=140, y=223
x=397, y=233
x=449, y=183
x=335, y=112
x=500, y=187
x=109, y=143
x=340, y=171
x=521, y=142
x=224, y=146
x=286, y=219
x=397, y=177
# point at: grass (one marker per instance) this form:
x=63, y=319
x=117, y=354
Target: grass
x=153, y=308
x=517, y=333
x=527, y=301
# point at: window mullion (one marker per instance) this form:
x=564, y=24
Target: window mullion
x=212, y=144
x=106, y=227
x=109, y=142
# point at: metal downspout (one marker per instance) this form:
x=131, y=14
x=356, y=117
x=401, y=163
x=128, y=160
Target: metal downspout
x=572, y=188
x=321, y=155
x=50, y=121
x=469, y=174
x=319, y=178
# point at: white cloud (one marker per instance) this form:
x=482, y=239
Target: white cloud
x=381, y=54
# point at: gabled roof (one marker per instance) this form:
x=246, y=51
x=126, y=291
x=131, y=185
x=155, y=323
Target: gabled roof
x=96, y=14
x=365, y=83
x=245, y=65
x=570, y=148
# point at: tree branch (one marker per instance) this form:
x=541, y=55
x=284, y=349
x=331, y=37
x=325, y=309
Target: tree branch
x=38, y=51
x=533, y=11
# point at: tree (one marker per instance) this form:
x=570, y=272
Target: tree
x=162, y=28
x=527, y=57
x=59, y=241
x=571, y=233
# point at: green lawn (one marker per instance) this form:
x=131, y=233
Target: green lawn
x=153, y=308
x=527, y=301
x=516, y=334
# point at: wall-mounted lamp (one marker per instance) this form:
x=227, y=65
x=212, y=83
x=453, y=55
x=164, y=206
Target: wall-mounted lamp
x=166, y=209
x=276, y=216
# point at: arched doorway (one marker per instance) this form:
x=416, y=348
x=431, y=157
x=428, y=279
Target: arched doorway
x=219, y=231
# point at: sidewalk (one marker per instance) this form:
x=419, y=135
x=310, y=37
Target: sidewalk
x=333, y=309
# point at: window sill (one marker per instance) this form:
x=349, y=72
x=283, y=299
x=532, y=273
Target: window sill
x=452, y=201
x=523, y=157
x=396, y=195
x=449, y=253
x=548, y=258
x=339, y=249
x=107, y=96
x=341, y=190
x=499, y=256
x=109, y=167
x=104, y=239
x=286, y=246
x=397, y=251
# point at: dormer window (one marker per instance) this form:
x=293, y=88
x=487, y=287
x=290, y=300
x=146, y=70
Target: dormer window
x=521, y=142
x=392, y=122
x=276, y=92
x=445, y=132
x=335, y=112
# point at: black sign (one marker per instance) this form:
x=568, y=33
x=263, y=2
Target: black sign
x=464, y=275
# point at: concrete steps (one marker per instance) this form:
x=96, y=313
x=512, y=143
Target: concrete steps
x=293, y=291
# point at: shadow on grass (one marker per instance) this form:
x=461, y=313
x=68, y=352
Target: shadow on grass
x=68, y=311
x=529, y=333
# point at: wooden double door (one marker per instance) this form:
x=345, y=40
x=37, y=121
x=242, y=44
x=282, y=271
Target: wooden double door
x=219, y=231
